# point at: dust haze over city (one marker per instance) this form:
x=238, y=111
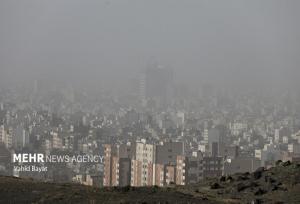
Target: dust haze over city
x=148, y=86
x=220, y=42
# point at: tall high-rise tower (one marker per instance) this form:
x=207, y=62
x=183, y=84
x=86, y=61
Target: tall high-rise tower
x=157, y=84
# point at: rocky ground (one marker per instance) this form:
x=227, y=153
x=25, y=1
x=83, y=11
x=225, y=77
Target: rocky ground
x=280, y=184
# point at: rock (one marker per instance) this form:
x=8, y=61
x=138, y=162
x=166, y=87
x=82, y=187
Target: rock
x=287, y=163
x=229, y=179
x=277, y=163
x=269, y=179
x=245, y=185
x=260, y=192
x=274, y=188
x=241, y=186
x=215, y=186
x=242, y=178
x=222, y=178
x=258, y=173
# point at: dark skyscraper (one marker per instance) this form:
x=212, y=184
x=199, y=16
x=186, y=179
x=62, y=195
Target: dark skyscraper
x=159, y=84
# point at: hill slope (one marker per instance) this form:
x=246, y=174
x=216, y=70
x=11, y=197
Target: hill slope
x=280, y=184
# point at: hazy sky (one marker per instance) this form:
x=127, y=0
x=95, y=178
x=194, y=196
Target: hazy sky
x=233, y=41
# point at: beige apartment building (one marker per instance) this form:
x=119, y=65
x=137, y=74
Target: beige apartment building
x=144, y=159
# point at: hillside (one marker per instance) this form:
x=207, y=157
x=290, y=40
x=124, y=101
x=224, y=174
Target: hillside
x=280, y=184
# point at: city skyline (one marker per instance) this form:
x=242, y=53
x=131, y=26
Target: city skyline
x=128, y=98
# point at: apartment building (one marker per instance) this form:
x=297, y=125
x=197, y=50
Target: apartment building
x=144, y=157
x=181, y=170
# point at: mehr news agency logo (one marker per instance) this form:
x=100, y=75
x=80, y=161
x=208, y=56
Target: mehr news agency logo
x=35, y=162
